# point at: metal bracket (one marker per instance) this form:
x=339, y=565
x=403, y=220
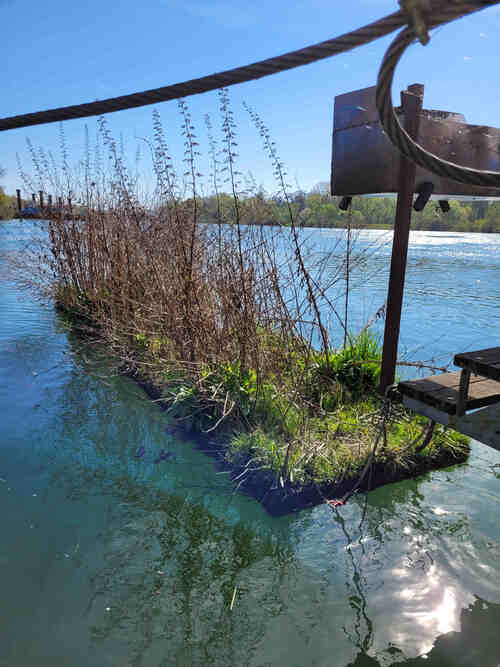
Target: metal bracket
x=424, y=194
x=345, y=203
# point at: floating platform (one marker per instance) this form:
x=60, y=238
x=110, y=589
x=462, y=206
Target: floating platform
x=48, y=215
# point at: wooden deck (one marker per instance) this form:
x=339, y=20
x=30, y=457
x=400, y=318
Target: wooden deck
x=442, y=391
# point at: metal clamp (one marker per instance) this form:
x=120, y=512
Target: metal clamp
x=415, y=10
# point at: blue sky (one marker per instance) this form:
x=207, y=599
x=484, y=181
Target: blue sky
x=59, y=53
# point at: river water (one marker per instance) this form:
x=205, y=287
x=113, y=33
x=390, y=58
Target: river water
x=109, y=559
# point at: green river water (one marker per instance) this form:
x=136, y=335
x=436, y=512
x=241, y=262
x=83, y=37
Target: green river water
x=111, y=560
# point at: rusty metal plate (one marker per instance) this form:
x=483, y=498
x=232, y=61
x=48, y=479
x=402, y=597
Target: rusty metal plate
x=364, y=162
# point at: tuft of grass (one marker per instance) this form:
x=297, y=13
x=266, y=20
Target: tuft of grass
x=335, y=449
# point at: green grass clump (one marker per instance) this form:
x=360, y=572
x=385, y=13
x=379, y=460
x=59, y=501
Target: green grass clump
x=336, y=448
x=317, y=431
x=346, y=374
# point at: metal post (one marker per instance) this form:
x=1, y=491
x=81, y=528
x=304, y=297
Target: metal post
x=40, y=192
x=411, y=102
x=19, y=204
x=49, y=197
x=33, y=198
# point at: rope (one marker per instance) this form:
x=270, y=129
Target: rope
x=398, y=136
x=259, y=69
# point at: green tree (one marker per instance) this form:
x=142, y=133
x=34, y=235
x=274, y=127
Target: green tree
x=7, y=203
x=4, y=201
x=491, y=220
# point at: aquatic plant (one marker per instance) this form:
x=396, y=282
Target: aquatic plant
x=226, y=319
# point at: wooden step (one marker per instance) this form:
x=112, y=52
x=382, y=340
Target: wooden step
x=484, y=362
x=441, y=391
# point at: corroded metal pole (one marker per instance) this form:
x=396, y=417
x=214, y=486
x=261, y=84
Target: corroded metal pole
x=411, y=102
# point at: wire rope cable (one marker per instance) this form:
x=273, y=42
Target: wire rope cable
x=389, y=120
x=435, y=12
x=256, y=70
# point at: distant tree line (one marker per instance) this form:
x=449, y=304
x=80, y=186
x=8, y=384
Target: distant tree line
x=8, y=205
x=318, y=208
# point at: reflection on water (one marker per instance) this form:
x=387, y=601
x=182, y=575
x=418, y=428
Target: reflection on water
x=479, y=629
x=112, y=559
x=168, y=582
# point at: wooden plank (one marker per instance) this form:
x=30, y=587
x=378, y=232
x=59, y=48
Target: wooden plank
x=483, y=362
x=491, y=354
x=435, y=382
x=491, y=371
x=443, y=391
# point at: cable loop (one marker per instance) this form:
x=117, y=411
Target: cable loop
x=390, y=123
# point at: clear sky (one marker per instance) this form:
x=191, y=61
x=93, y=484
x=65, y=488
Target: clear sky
x=59, y=53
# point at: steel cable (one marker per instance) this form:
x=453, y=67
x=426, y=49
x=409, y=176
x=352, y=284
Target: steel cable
x=398, y=136
x=213, y=82
x=438, y=12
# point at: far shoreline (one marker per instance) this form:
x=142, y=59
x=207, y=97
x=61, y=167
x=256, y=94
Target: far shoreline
x=374, y=227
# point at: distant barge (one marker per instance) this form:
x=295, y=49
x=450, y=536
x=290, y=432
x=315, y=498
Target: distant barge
x=41, y=211
x=32, y=213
